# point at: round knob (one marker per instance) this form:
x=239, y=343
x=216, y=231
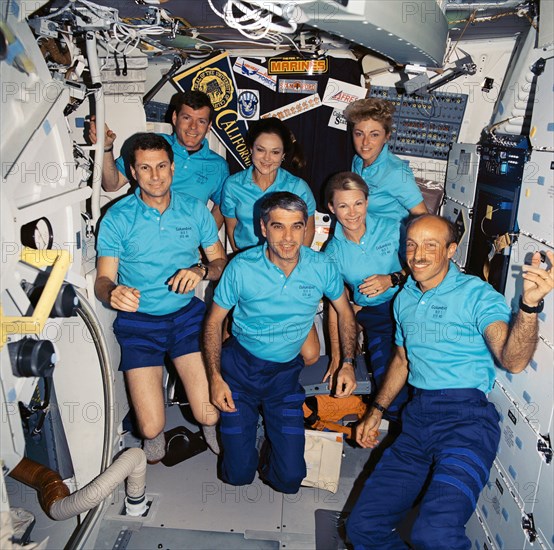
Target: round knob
x=65, y=304
x=30, y=357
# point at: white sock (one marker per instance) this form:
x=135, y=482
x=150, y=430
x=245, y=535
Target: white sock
x=210, y=437
x=154, y=449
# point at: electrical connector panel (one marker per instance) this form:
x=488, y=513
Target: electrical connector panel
x=423, y=126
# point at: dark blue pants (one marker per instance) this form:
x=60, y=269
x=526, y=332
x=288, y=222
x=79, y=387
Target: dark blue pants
x=272, y=388
x=453, y=434
x=378, y=323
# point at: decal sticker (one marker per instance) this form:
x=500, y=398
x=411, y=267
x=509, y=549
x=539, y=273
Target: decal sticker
x=255, y=72
x=289, y=86
x=339, y=94
x=248, y=104
x=296, y=108
x=295, y=65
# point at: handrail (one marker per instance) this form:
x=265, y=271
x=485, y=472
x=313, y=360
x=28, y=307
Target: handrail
x=60, y=261
x=100, y=112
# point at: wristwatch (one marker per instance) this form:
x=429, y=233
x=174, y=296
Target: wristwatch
x=379, y=407
x=397, y=278
x=530, y=309
x=204, y=268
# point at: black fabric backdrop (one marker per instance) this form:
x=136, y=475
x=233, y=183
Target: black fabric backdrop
x=326, y=150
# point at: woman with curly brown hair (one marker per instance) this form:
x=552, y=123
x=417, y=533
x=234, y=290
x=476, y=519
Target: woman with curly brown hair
x=392, y=187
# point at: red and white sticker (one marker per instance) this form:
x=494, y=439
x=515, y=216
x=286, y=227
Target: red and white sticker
x=295, y=86
x=339, y=94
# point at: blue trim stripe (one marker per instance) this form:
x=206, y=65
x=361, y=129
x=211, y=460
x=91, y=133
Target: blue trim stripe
x=377, y=355
x=471, y=455
x=449, y=480
x=375, y=341
x=236, y=430
x=290, y=430
x=465, y=467
x=293, y=412
x=294, y=397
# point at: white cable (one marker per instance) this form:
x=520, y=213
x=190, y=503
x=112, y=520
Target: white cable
x=256, y=21
x=254, y=42
x=99, y=11
x=281, y=36
x=57, y=12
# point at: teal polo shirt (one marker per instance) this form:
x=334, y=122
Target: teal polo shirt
x=376, y=254
x=274, y=313
x=151, y=246
x=200, y=174
x=443, y=331
x=392, y=186
x=242, y=199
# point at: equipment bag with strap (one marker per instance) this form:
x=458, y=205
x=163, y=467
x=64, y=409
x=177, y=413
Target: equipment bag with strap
x=323, y=412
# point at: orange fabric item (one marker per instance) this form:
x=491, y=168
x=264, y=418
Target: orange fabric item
x=322, y=412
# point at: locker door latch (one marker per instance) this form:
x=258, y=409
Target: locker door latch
x=544, y=447
x=528, y=525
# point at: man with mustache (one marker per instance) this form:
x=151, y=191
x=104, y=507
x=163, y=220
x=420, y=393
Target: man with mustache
x=451, y=327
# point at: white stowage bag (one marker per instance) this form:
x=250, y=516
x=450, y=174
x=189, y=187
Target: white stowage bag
x=323, y=456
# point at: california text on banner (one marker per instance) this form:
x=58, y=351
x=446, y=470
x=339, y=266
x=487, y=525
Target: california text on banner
x=215, y=78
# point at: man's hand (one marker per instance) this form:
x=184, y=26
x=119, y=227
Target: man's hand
x=375, y=285
x=125, y=298
x=331, y=369
x=185, y=280
x=346, y=381
x=367, y=431
x=537, y=282
x=220, y=395
x=109, y=135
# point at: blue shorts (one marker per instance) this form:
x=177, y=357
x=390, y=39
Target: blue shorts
x=145, y=339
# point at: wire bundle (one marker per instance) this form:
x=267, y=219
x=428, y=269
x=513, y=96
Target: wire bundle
x=256, y=19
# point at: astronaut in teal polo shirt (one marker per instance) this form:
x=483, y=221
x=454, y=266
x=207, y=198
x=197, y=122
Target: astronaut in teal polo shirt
x=241, y=195
x=392, y=187
x=365, y=249
x=199, y=172
x=272, y=147
x=148, y=267
x=275, y=290
x=442, y=316
x=451, y=328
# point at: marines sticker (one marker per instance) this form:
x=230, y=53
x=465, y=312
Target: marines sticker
x=295, y=65
x=216, y=84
